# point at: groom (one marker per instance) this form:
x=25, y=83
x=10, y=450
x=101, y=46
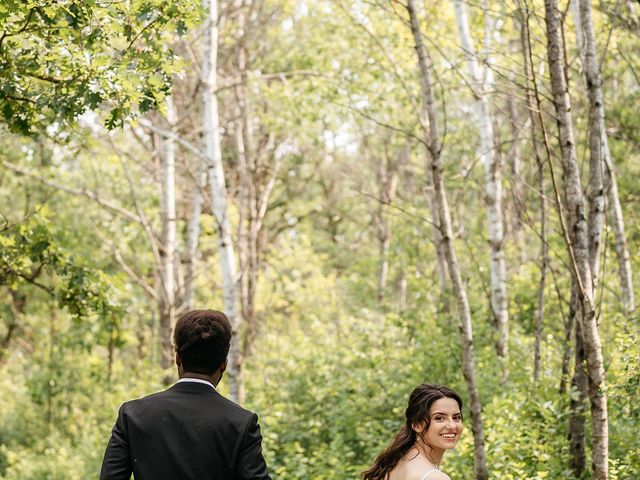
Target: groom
x=189, y=431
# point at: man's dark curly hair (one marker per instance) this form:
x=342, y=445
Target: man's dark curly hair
x=202, y=338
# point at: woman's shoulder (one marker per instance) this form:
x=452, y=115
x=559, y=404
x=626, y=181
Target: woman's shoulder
x=426, y=474
x=436, y=475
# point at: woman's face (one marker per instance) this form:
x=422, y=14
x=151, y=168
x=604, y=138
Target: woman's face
x=446, y=424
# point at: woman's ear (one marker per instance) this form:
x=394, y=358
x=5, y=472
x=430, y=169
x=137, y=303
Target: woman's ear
x=419, y=427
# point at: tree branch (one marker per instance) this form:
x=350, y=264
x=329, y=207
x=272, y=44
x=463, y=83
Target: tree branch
x=82, y=192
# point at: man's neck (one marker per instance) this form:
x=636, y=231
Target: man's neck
x=212, y=379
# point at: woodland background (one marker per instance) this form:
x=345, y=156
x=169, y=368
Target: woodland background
x=288, y=161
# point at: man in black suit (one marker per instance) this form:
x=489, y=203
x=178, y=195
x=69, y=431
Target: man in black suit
x=189, y=431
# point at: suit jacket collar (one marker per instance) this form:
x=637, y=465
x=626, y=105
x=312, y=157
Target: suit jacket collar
x=193, y=387
x=196, y=380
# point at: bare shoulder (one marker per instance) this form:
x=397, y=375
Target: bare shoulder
x=438, y=476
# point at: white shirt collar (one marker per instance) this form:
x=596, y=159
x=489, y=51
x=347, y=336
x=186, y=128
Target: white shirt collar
x=195, y=380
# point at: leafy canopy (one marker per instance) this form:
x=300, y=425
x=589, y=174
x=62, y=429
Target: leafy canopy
x=58, y=59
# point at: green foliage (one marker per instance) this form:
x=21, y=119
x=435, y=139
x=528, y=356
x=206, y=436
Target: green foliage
x=358, y=372
x=61, y=432
x=30, y=251
x=59, y=59
x=335, y=84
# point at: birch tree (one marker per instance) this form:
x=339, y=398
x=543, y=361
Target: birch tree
x=433, y=146
x=193, y=233
x=258, y=164
x=480, y=80
x=387, y=177
x=601, y=168
x=382, y=160
x=218, y=191
x=168, y=239
x=577, y=238
x=538, y=137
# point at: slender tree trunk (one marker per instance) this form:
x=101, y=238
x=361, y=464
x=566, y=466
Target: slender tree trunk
x=490, y=158
x=578, y=246
x=384, y=239
x=601, y=164
x=596, y=134
x=443, y=269
x=387, y=183
x=215, y=170
x=243, y=149
x=17, y=309
x=544, y=261
x=193, y=235
x=578, y=396
x=537, y=137
x=402, y=290
x=517, y=185
x=257, y=168
x=168, y=239
x=432, y=142
x=617, y=222
x=569, y=336
x=575, y=11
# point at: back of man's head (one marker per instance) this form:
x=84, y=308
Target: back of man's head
x=202, y=339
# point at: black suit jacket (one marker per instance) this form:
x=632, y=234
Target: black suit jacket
x=189, y=431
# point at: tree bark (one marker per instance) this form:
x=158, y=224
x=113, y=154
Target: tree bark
x=577, y=396
x=443, y=269
x=216, y=177
x=537, y=137
x=596, y=135
x=166, y=293
x=17, y=308
x=490, y=158
x=569, y=336
x=387, y=176
x=516, y=225
x=193, y=235
x=578, y=245
x=601, y=165
x=544, y=262
x=617, y=222
x=258, y=166
x=432, y=143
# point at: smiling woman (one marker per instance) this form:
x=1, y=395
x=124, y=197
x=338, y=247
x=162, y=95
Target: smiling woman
x=433, y=424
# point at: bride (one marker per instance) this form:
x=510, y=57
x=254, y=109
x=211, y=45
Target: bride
x=433, y=425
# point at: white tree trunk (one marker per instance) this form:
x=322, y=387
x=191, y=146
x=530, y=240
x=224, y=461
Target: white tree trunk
x=579, y=393
x=544, y=261
x=168, y=239
x=215, y=170
x=490, y=158
x=596, y=133
x=432, y=142
x=387, y=177
x=193, y=235
x=443, y=269
x=537, y=138
x=578, y=232
x=601, y=163
x=575, y=11
x=617, y=221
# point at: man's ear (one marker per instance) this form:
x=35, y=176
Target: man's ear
x=178, y=360
x=223, y=367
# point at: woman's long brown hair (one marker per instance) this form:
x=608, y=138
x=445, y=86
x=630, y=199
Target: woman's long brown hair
x=420, y=402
